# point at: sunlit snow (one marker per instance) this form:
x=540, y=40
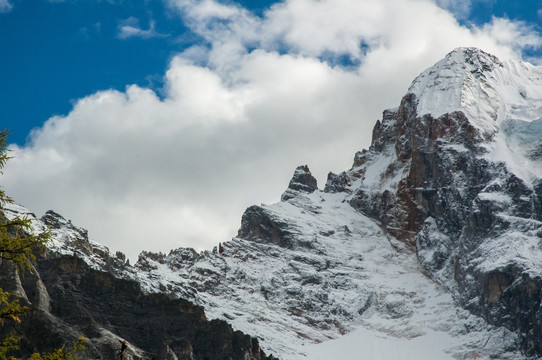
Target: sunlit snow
x=504, y=103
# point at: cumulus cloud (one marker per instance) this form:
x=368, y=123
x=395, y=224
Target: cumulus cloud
x=129, y=28
x=5, y=6
x=516, y=35
x=239, y=111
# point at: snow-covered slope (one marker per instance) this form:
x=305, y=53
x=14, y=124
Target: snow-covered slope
x=338, y=273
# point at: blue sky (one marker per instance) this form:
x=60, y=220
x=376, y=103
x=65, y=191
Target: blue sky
x=57, y=51
x=529, y=11
x=165, y=119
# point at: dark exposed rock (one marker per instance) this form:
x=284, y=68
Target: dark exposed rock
x=302, y=181
x=507, y=297
x=258, y=225
x=67, y=299
x=337, y=183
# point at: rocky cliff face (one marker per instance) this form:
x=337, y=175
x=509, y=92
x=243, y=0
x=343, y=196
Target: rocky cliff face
x=70, y=296
x=472, y=221
x=435, y=176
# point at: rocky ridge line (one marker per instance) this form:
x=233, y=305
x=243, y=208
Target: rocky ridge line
x=79, y=289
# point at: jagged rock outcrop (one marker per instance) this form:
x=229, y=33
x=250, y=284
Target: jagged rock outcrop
x=259, y=225
x=302, y=181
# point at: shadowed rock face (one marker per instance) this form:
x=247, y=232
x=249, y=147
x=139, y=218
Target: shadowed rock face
x=429, y=185
x=69, y=299
x=258, y=225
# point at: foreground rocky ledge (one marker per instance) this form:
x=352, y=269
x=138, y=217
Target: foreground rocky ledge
x=69, y=299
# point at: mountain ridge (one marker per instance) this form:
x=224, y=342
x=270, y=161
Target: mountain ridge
x=433, y=233
x=78, y=289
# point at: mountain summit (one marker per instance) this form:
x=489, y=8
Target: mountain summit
x=502, y=100
x=428, y=247
x=455, y=171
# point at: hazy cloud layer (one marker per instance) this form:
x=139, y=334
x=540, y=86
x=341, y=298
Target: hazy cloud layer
x=240, y=111
x=129, y=28
x=5, y=6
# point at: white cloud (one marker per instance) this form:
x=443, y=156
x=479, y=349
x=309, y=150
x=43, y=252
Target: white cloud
x=239, y=112
x=5, y=6
x=129, y=28
x=516, y=35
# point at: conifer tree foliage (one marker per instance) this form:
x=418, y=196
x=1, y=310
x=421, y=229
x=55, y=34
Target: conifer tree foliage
x=17, y=241
x=19, y=244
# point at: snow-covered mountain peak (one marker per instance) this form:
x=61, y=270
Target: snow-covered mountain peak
x=488, y=91
x=441, y=88
x=501, y=99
